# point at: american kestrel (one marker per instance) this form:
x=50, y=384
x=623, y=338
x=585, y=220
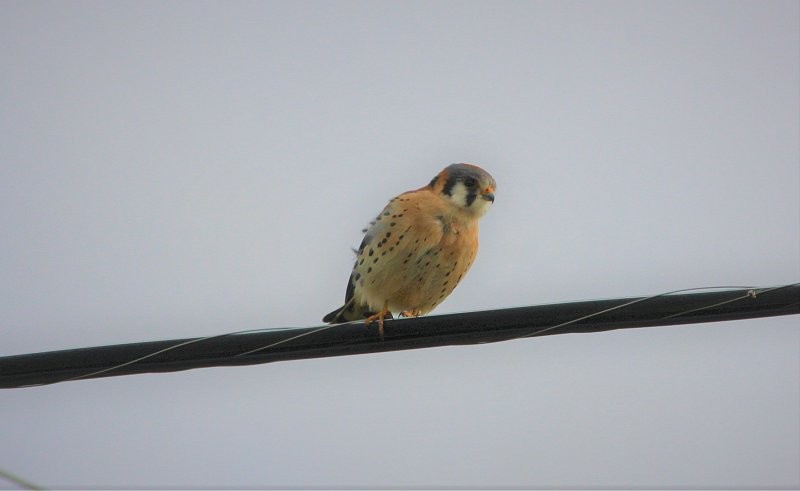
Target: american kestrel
x=417, y=250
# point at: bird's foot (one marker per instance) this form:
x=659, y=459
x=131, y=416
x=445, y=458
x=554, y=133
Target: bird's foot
x=379, y=317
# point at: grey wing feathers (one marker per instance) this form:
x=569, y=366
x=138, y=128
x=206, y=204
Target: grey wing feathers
x=350, y=311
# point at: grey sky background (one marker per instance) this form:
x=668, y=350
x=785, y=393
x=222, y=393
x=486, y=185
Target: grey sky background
x=177, y=169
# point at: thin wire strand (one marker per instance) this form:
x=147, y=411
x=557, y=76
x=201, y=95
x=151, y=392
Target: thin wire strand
x=752, y=293
x=14, y=479
x=323, y=328
x=156, y=353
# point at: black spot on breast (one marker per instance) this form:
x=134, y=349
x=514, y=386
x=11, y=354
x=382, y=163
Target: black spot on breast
x=371, y=251
x=375, y=260
x=358, y=276
x=369, y=270
x=386, y=213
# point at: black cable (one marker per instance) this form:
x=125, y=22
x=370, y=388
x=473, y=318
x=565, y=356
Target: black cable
x=353, y=338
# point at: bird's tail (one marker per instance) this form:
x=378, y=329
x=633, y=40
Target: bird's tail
x=350, y=312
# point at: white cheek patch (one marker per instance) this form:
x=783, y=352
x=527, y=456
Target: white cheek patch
x=458, y=194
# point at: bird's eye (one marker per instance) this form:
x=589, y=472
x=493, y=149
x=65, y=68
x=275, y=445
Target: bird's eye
x=469, y=182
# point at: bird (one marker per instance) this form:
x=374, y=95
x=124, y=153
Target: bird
x=418, y=248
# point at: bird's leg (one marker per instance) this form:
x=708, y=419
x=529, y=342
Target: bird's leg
x=379, y=317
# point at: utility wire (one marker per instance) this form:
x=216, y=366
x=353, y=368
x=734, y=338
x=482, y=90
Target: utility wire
x=270, y=345
x=18, y=481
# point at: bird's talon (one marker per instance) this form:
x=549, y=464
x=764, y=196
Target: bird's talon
x=411, y=313
x=378, y=317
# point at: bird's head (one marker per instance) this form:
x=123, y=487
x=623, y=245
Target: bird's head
x=466, y=186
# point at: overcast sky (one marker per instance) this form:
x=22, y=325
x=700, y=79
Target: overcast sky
x=179, y=169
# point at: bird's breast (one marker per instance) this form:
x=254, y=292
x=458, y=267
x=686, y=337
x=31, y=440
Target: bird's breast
x=414, y=264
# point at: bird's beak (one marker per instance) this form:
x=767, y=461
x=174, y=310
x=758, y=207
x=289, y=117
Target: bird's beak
x=488, y=195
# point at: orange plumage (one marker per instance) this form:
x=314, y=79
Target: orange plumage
x=418, y=249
